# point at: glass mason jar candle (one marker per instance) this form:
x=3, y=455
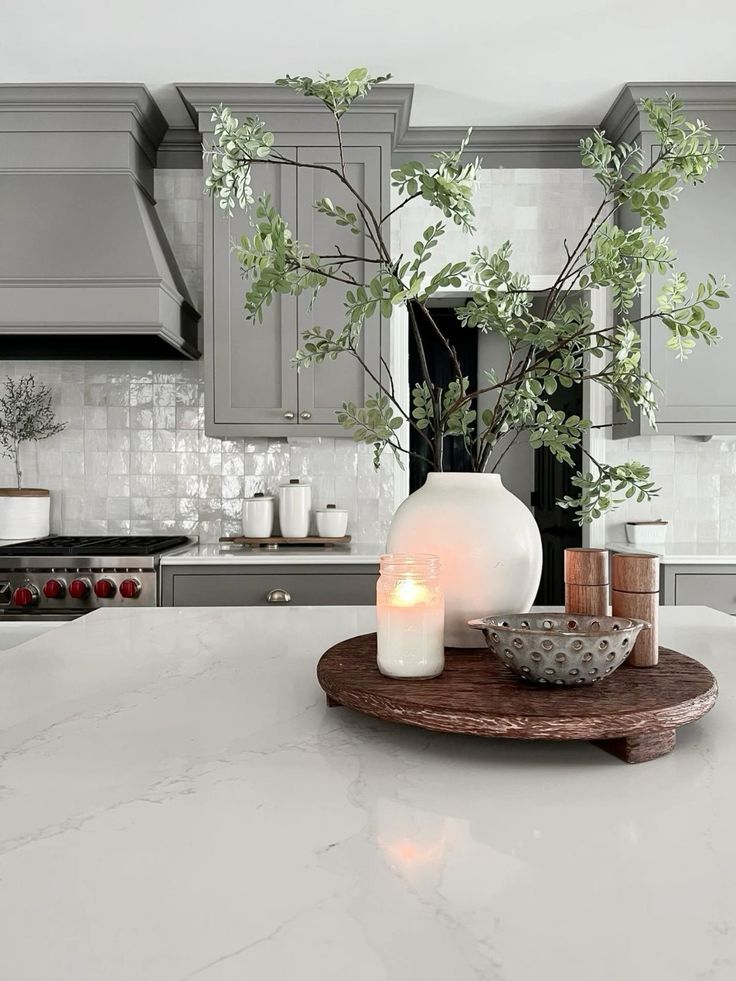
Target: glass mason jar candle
x=410, y=610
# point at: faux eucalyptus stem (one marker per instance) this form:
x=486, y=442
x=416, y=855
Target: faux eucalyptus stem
x=544, y=350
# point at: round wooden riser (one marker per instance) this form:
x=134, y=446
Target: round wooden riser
x=633, y=714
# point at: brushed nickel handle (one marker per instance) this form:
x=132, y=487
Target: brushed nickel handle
x=289, y=415
x=305, y=415
x=278, y=596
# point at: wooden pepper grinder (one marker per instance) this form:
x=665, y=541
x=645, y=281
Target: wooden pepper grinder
x=586, y=581
x=635, y=593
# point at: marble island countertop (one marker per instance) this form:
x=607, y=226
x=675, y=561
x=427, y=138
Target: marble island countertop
x=357, y=553
x=177, y=802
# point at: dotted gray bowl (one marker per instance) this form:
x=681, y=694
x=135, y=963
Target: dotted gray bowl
x=560, y=648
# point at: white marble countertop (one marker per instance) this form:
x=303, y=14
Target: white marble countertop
x=224, y=554
x=177, y=802
x=683, y=553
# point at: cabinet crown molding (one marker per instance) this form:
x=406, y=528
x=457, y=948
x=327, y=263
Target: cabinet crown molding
x=93, y=107
x=696, y=97
x=387, y=107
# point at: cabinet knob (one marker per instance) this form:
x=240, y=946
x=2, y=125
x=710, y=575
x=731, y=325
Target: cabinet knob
x=305, y=415
x=289, y=415
x=278, y=596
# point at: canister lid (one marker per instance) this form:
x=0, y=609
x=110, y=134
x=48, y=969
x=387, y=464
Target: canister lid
x=586, y=566
x=635, y=572
x=330, y=509
x=259, y=496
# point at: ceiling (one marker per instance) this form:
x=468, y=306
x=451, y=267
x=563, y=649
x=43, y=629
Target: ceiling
x=481, y=62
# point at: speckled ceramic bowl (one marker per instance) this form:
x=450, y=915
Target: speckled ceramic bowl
x=560, y=648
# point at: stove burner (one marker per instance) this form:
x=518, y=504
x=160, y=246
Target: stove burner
x=96, y=545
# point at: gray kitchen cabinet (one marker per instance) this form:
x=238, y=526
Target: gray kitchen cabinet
x=702, y=585
x=248, y=368
x=324, y=387
x=698, y=396
x=269, y=585
x=251, y=387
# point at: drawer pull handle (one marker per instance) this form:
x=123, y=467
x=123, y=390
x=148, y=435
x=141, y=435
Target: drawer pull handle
x=306, y=415
x=278, y=596
x=289, y=415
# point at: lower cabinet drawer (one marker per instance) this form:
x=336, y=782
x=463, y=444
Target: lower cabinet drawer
x=706, y=589
x=272, y=588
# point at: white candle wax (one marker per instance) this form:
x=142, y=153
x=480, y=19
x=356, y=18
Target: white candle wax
x=411, y=627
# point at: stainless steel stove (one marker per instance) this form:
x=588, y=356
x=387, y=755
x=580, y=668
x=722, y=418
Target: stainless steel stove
x=62, y=576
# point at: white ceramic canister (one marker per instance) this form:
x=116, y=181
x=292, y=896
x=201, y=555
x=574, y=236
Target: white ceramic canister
x=295, y=505
x=258, y=516
x=332, y=521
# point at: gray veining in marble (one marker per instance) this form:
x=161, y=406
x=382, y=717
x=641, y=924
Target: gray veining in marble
x=178, y=802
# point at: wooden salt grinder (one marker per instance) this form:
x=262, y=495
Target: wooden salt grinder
x=635, y=593
x=586, y=581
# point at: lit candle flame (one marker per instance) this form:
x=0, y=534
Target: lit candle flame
x=408, y=592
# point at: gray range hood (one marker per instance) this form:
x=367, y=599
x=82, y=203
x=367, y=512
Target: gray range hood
x=86, y=270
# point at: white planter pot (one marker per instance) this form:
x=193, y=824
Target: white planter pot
x=488, y=542
x=24, y=513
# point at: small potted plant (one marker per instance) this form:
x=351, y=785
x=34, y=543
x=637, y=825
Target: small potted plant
x=26, y=416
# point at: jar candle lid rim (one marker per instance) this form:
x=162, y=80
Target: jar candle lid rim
x=406, y=563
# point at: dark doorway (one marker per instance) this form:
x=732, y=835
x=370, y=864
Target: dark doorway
x=551, y=480
x=465, y=343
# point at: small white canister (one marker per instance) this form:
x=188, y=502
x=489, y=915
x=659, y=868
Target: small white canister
x=295, y=505
x=332, y=521
x=258, y=516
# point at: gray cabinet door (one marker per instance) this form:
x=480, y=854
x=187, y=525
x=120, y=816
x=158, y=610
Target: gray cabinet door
x=698, y=394
x=251, y=383
x=323, y=388
x=698, y=397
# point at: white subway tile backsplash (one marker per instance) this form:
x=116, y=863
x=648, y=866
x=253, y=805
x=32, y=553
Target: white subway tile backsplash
x=697, y=486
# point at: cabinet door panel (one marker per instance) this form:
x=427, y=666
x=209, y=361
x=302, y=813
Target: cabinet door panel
x=323, y=388
x=701, y=229
x=254, y=382
x=698, y=589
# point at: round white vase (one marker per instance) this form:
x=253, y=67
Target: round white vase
x=488, y=542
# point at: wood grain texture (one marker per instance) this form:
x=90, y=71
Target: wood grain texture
x=23, y=492
x=586, y=566
x=589, y=600
x=275, y=540
x=640, y=606
x=477, y=695
x=635, y=573
x=642, y=747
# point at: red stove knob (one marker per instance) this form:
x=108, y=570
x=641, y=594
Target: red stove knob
x=54, y=589
x=79, y=589
x=130, y=588
x=25, y=596
x=105, y=588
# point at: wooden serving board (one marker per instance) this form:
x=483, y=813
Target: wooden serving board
x=633, y=714
x=276, y=541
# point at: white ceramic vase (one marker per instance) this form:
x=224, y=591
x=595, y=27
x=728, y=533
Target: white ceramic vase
x=488, y=542
x=24, y=513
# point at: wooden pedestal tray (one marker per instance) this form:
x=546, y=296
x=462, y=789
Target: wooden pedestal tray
x=633, y=714
x=276, y=541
